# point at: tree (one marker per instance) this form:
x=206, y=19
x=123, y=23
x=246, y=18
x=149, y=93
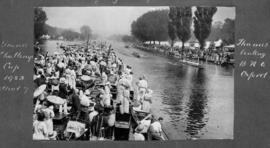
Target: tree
x=183, y=23
x=127, y=38
x=86, y=32
x=203, y=23
x=171, y=25
x=160, y=24
x=151, y=26
x=228, y=31
x=40, y=18
x=216, y=33
x=70, y=35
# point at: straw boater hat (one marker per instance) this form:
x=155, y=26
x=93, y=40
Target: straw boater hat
x=126, y=83
x=108, y=83
x=85, y=78
x=55, y=100
x=139, y=128
x=136, y=104
x=62, y=80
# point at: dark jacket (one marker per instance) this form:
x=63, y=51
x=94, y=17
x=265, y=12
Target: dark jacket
x=76, y=105
x=63, y=91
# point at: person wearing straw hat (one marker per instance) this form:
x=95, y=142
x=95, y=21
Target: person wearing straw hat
x=124, y=107
x=73, y=78
x=142, y=87
x=40, y=95
x=75, y=101
x=106, y=99
x=93, y=112
x=40, y=78
x=138, y=136
x=63, y=94
x=104, y=78
x=49, y=114
x=49, y=69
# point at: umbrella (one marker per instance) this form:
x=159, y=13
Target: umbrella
x=85, y=78
x=39, y=90
x=55, y=100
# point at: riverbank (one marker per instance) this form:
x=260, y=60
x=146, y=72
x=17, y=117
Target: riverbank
x=188, y=54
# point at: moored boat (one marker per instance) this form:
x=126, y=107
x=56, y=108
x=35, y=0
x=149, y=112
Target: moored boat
x=192, y=63
x=136, y=54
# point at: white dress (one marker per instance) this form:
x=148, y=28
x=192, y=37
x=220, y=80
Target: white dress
x=124, y=107
x=40, y=131
x=49, y=123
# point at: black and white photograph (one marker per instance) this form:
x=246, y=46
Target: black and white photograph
x=133, y=73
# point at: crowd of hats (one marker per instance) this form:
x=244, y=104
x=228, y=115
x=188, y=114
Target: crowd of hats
x=89, y=71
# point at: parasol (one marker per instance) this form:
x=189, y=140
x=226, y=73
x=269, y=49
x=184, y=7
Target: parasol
x=39, y=90
x=55, y=100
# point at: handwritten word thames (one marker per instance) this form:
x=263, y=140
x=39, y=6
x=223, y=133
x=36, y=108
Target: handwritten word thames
x=244, y=43
x=5, y=44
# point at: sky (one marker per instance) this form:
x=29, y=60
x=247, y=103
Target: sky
x=106, y=21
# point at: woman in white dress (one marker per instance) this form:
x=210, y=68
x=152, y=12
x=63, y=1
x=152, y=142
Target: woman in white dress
x=40, y=128
x=147, y=101
x=49, y=115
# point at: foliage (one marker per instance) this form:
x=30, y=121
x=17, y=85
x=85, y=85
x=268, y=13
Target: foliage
x=203, y=23
x=70, y=35
x=151, y=26
x=171, y=25
x=128, y=38
x=40, y=18
x=86, y=32
x=183, y=23
x=224, y=31
x=228, y=31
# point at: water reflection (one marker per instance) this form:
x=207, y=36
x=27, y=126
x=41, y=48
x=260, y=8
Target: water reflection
x=197, y=104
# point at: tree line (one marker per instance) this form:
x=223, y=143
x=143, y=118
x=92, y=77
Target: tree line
x=175, y=24
x=151, y=26
x=41, y=28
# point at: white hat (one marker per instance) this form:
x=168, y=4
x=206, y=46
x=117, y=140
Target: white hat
x=139, y=128
x=62, y=80
x=87, y=92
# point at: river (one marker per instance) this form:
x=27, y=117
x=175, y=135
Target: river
x=195, y=103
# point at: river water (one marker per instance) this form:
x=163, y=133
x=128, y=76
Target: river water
x=195, y=103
